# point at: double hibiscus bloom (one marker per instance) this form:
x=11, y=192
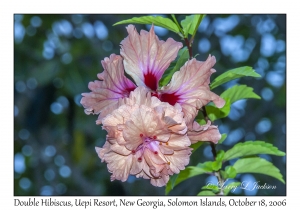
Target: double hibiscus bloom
x=150, y=128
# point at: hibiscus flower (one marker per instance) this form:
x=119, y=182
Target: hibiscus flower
x=145, y=58
x=146, y=138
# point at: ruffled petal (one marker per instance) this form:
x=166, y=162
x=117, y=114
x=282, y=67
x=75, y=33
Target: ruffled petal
x=178, y=142
x=117, y=148
x=132, y=135
x=146, y=57
x=206, y=132
x=154, y=158
x=143, y=136
x=137, y=166
x=179, y=160
x=106, y=93
x=141, y=96
x=166, y=150
x=119, y=165
x=102, y=151
x=190, y=88
x=159, y=182
x=146, y=120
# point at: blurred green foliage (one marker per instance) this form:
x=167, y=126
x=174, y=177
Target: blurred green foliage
x=55, y=56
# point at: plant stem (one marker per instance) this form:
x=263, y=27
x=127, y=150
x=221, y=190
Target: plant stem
x=212, y=145
x=214, y=152
x=217, y=173
x=220, y=182
x=189, y=46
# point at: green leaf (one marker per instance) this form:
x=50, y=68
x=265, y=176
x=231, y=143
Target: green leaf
x=224, y=174
x=215, y=113
x=257, y=165
x=239, y=92
x=179, y=27
x=183, y=56
x=220, y=155
x=216, y=165
x=230, y=171
x=171, y=183
x=200, y=119
x=206, y=193
x=187, y=173
x=156, y=20
x=251, y=148
x=190, y=24
x=196, y=145
x=233, y=74
x=224, y=136
x=207, y=166
x=230, y=186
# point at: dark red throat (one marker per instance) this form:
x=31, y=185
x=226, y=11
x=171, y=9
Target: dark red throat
x=150, y=81
x=170, y=98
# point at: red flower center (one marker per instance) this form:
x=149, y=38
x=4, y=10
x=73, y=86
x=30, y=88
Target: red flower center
x=150, y=80
x=170, y=98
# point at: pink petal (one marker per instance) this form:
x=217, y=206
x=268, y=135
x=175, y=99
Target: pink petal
x=106, y=93
x=145, y=172
x=132, y=135
x=119, y=165
x=204, y=133
x=155, y=169
x=179, y=129
x=137, y=166
x=142, y=122
x=146, y=138
x=160, y=182
x=170, y=121
x=190, y=88
x=177, y=142
x=142, y=96
x=155, y=158
x=166, y=150
x=179, y=160
x=108, y=109
x=140, y=168
x=117, y=148
x=146, y=57
x=102, y=151
x=143, y=175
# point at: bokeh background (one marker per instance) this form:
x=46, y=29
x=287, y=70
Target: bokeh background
x=55, y=56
